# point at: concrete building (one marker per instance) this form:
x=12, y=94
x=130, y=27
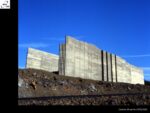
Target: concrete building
x=80, y=59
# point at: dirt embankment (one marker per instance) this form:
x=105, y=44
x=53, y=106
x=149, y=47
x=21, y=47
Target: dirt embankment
x=38, y=83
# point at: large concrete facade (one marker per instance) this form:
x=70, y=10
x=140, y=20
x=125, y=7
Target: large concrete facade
x=41, y=60
x=80, y=59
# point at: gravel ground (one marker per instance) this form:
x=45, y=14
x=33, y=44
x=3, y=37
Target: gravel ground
x=38, y=83
x=102, y=100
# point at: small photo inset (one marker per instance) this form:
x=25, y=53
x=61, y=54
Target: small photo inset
x=4, y=4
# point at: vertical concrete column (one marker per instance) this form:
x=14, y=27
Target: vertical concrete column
x=62, y=60
x=99, y=65
x=102, y=62
x=104, y=65
x=109, y=67
x=113, y=68
x=116, y=69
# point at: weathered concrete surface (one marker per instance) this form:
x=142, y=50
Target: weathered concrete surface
x=136, y=75
x=41, y=60
x=128, y=73
x=61, y=59
x=109, y=67
x=120, y=69
x=113, y=68
x=105, y=66
x=81, y=60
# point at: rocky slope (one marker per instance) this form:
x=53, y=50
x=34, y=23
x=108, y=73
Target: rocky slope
x=38, y=83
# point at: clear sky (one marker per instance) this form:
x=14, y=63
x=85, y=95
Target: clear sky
x=121, y=27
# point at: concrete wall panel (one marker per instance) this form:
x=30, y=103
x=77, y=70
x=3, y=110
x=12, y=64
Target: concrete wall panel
x=127, y=72
x=120, y=69
x=41, y=60
x=137, y=75
x=82, y=60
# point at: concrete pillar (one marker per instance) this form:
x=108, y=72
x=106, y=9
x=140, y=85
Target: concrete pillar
x=62, y=60
x=104, y=65
x=113, y=68
x=109, y=67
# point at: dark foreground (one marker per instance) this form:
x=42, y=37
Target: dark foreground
x=128, y=99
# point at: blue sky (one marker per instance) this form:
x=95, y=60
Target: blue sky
x=121, y=27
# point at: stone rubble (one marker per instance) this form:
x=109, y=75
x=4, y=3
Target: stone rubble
x=56, y=85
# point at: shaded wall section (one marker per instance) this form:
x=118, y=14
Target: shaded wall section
x=41, y=60
x=105, y=69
